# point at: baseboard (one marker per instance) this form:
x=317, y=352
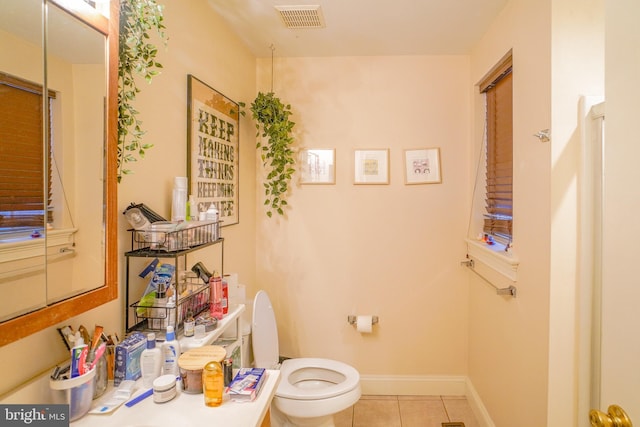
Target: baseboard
x=405, y=385
x=478, y=408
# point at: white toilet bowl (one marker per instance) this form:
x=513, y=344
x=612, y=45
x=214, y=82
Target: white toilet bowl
x=311, y=390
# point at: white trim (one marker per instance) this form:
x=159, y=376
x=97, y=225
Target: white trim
x=14, y=251
x=499, y=261
x=407, y=385
x=478, y=408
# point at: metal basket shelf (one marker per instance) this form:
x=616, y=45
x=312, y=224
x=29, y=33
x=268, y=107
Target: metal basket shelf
x=195, y=296
x=193, y=235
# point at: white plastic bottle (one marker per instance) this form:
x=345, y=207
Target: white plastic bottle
x=212, y=215
x=179, y=199
x=150, y=361
x=171, y=353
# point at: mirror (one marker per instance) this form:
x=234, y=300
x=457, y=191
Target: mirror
x=71, y=266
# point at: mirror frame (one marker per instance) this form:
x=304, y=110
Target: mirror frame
x=27, y=324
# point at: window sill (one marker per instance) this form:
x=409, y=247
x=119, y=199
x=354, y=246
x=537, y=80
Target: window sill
x=34, y=247
x=493, y=263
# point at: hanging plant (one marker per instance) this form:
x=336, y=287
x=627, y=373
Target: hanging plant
x=136, y=58
x=274, y=130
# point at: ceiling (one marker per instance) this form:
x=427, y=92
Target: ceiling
x=362, y=27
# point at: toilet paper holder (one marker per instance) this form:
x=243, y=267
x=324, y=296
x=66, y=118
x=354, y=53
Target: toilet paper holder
x=353, y=319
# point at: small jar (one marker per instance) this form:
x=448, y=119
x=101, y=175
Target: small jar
x=164, y=388
x=212, y=383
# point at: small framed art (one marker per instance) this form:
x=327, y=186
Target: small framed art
x=318, y=166
x=371, y=166
x=422, y=166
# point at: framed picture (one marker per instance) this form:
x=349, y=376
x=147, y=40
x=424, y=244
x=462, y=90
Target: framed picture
x=422, y=166
x=371, y=166
x=212, y=150
x=318, y=166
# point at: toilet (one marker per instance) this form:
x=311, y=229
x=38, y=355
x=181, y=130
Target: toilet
x=311, y=390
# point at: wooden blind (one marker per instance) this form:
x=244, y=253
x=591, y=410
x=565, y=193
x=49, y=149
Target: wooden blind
x=499, y=183
x=22, y=201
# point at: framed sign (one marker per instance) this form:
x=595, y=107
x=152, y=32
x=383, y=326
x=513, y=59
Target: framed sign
x=318, y=166
x=422, y=166
x=212, y=150
x=371, y=167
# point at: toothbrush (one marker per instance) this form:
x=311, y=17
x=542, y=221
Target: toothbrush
x=99, y=352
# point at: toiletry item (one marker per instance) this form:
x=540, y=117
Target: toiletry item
x=179, y=199
x=202, y=272
x=225, y=297
x=164, y=388
x=136, y=219
x=158, y=317
x=215, y=305
x=212, y=383
x=227, y=371
x=127, y=358
x=116, y=398
x=212, y=215
x=192, y=362
x=246, y=385
x=77, y=358
x=192, y=214
x=139, y=398
x=171, y=353
x=150, y=361
x=189, y=323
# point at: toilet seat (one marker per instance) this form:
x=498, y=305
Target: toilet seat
x=340, y=378
x=311, y=390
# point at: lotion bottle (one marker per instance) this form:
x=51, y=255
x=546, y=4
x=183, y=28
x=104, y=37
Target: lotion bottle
x=150, y=361
x=171, y=353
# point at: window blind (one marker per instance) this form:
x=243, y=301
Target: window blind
x=499, y=180
x=22, y=180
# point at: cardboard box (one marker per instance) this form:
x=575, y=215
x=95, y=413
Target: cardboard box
x=127, y=360
x=246, y=384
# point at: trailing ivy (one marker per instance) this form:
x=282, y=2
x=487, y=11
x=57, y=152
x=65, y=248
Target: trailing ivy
x=136, y=58
x=274, y=129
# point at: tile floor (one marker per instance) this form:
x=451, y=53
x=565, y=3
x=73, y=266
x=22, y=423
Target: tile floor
x=406, y=411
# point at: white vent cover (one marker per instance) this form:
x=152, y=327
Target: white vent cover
x=305, y=16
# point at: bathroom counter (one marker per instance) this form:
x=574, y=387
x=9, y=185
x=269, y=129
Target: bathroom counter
x=186, y=410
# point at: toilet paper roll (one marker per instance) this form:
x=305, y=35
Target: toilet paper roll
x=364, y=324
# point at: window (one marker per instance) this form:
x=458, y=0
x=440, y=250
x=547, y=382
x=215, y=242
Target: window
x=22, y=181
x=498, y=90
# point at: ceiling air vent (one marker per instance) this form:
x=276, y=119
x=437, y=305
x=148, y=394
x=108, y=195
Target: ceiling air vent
x=305, y=16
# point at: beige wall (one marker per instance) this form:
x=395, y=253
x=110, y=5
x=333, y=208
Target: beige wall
x=523, y=352
x=621, y=293
x=202, y=45
x=508, y=337
x=387, y=250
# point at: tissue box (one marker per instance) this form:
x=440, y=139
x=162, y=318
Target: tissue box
x=127, y=360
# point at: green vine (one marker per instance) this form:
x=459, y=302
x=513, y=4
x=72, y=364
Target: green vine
x=278, y=159
x=136, y=58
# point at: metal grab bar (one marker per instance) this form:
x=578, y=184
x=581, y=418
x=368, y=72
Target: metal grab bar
x=510, y=290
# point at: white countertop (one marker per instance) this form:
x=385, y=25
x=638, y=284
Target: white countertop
x=185, y=410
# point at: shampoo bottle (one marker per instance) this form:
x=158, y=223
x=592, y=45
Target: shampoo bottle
x=150, y=361
x=171, y=353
